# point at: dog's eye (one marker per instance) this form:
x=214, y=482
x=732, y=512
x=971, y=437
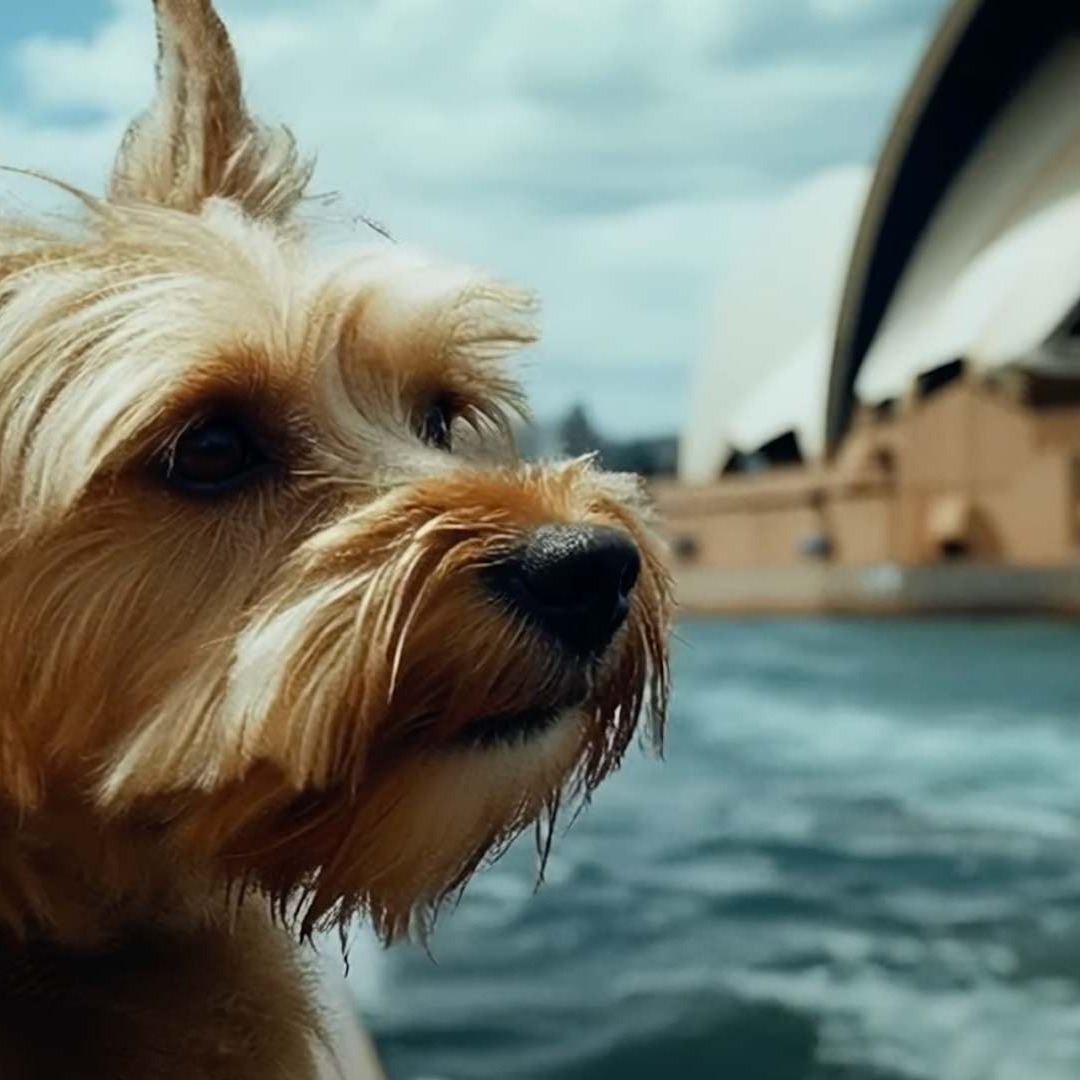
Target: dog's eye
x=214, y=456
x=435, y=428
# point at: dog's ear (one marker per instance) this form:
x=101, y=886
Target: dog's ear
x=197, y=140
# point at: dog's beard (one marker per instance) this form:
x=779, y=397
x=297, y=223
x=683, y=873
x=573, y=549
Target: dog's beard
x=380, y=723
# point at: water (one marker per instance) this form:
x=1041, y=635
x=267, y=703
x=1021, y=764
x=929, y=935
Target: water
x=860, y=861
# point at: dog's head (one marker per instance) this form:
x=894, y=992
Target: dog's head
x=271, y=579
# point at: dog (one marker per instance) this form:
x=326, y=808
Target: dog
x=288, y=635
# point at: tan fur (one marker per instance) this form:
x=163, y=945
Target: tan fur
x=215, y=709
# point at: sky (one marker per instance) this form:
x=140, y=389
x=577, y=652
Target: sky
x=613, y=155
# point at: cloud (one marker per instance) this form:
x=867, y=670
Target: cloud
x=606, y=153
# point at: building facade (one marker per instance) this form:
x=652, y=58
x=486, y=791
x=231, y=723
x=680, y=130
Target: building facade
x=919, y=447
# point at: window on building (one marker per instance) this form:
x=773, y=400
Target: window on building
x=1045, y=391
x=739, y=462
x=736, y=463
x=955, y=550
x=817, y=546
x=783, y=450
x=686, y=549
x=936, y=379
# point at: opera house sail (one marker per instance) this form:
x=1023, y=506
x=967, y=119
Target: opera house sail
x=888, y=417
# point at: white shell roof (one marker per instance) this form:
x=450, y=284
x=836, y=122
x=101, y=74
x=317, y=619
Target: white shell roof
x=1001, y=309
x=994, y=275
x=766, y=368
x=791, y=397
x=998, y=267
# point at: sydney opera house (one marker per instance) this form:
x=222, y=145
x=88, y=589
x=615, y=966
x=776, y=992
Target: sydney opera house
x=889, y=415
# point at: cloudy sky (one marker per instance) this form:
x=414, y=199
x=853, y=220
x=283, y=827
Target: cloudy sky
x=612, y=154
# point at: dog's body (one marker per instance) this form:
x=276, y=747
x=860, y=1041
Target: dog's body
x=287, y=632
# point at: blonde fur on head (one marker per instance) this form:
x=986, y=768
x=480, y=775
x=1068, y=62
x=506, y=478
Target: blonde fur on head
x=295, y=688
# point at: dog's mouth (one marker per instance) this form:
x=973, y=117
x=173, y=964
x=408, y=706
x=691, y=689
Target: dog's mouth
x=521, y=727
x=510, y=729
x=524, y=726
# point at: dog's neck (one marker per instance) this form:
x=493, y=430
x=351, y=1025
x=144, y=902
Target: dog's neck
x=103, y=933
x=73, y=881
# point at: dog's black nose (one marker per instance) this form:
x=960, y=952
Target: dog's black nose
x=574, y=581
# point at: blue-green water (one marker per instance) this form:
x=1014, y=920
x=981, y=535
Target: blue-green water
x=861, y=860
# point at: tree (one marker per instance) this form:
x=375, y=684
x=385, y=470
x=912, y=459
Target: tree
x=577, y=434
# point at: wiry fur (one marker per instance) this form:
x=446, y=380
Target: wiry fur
x=212, y=705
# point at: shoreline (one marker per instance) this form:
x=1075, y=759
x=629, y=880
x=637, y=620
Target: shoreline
x=881, y=590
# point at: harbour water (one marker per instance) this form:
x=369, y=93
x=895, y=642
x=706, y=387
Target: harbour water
x=859, y=861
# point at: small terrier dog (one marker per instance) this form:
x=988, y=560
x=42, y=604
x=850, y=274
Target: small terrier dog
x=288, y=633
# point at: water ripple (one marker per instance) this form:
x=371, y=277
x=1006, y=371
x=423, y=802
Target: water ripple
x=859, y=862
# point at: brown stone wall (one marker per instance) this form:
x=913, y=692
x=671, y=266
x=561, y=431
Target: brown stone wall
x=1003, y=438
x=1034, y=517
x=935, y=441
x=862, y=529
x=745, y=538
x=970, y=453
